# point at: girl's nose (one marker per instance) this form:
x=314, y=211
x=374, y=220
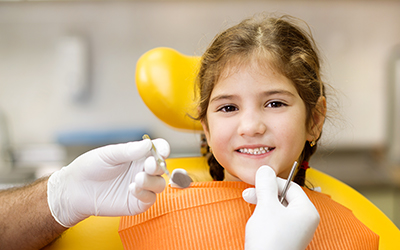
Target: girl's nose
x=251, y=124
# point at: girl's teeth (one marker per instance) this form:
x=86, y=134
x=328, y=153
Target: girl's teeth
x=255, y=151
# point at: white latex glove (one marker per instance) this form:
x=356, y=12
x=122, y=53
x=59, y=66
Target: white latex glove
x=114, y=180
x=274, y=226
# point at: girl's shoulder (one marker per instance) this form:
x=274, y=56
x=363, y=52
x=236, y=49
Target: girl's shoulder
x=338, y=226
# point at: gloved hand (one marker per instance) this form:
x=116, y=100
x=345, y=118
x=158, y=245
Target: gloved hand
x=274, y=226
x=114, y=180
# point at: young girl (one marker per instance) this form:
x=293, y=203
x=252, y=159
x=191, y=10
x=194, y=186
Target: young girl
x=262, y=99
x=262, y=102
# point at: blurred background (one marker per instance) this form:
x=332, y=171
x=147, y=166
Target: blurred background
x=67, y=81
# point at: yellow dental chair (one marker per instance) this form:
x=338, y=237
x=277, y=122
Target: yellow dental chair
x=165, y=80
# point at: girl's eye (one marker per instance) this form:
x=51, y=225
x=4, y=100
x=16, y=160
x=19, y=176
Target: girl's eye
x=228, y=108
x=275, y=104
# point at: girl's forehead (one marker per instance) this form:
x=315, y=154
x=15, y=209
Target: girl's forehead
x=255, y=63
x=262, y=71
x=253, y=81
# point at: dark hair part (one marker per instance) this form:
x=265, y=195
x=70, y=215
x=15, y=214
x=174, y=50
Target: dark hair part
x=276, y=42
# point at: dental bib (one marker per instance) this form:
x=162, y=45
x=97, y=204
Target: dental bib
x=213, y=215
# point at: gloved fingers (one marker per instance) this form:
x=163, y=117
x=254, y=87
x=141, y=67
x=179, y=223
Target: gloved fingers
x=151, y=167
x=250, y=196
x=281, y=184
x=153, y=183
x=144, y=200
x=299, y=203
x=124, y=152
x=266, y=185
x=144, y=206
x=295, y=196
x=162, y=147
x=145, y=196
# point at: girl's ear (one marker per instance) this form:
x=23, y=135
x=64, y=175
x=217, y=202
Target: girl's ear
x=318, y=119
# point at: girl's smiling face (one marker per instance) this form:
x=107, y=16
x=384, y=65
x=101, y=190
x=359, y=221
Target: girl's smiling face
x=256, y=117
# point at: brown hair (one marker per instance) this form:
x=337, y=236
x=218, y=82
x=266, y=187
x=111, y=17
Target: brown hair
x=288, y=48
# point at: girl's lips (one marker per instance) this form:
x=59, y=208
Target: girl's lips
x=255, y=150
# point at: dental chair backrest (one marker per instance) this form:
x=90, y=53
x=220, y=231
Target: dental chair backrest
x=165, y=80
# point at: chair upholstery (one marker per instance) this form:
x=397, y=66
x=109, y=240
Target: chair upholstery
x=172, y=99
x=164, y=80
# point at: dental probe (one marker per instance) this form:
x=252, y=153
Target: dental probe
x=179, y=176
x=289, y=179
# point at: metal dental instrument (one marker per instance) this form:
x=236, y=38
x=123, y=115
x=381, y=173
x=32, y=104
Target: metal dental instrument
x=160, y=161
x=179, y=176
x=289, y=179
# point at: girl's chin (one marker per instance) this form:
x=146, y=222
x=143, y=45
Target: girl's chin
x=247, y=175
x=249, y=178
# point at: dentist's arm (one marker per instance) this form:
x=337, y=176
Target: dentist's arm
x=25, y=218
x=114, y=180
x=274, y=226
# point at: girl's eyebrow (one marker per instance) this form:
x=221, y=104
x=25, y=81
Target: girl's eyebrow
x=278, y=92
x=222, y=97
x=265, y=93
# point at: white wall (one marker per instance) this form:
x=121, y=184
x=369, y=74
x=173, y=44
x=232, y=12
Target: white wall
x=355, y=39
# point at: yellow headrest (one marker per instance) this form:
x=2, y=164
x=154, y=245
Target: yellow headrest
x=165, y=80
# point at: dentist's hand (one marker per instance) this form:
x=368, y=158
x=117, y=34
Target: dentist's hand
x=114, y=180
x=274, y=226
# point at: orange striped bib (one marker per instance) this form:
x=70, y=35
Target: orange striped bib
x=213, y=215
